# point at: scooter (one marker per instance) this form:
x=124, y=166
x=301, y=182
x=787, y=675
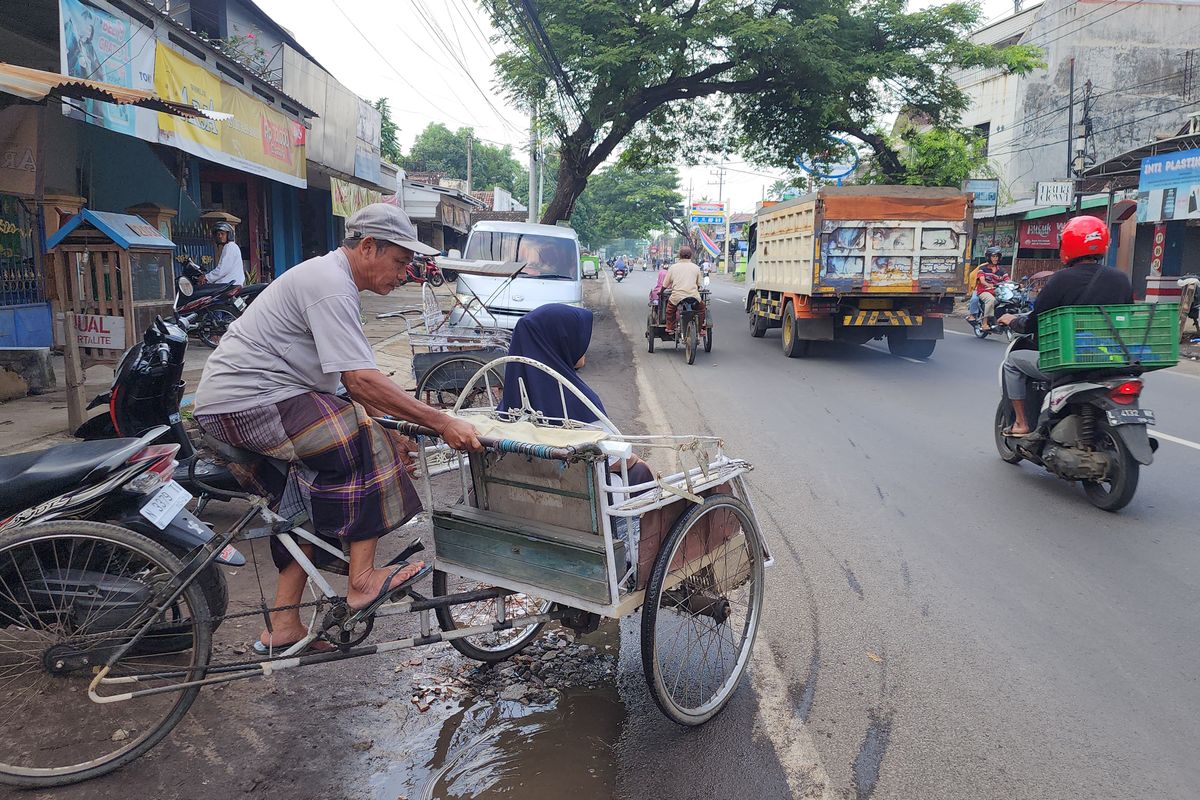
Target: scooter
x=125, y=482
x=1011, y=298
x=146, y=391
x=619, y=274
x=1091, y=429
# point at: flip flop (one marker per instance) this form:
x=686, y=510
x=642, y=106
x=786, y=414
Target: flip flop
x=1009, y=433
x=389, y=592
x=316, y=646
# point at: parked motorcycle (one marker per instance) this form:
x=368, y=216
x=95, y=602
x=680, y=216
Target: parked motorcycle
x=123, y=484
x=1011, y=298
x=423, y=269
x=1091, y=429
x=146, y=391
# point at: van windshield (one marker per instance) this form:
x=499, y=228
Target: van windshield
x=544, y=256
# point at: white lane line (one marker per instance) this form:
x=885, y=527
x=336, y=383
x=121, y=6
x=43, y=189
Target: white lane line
x=881, y=351
x=722, y=300
x=1175, y=439
x=957, y=333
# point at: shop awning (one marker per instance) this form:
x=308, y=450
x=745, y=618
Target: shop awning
x=1124, y=170
x=36, y=85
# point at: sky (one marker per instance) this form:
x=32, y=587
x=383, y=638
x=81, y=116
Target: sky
x=433, y=61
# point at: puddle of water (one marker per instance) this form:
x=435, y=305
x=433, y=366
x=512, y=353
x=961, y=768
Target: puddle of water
x=498, y=748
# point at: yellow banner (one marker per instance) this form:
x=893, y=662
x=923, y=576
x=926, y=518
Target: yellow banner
x=350, y=197
x=258, y=139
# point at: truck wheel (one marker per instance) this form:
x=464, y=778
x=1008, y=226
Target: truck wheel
x=900, y=345
x=758, y=325
x=793, y=345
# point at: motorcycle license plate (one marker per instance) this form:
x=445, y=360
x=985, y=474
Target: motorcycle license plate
x=1131, y=416
x=240, y=303
x=165, y=505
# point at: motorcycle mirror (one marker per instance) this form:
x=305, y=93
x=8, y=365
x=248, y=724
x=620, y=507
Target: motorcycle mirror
x=185, y=287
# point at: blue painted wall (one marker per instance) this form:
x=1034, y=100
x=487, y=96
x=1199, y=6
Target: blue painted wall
x=285, y=227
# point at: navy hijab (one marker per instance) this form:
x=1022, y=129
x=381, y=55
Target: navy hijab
x=557, y=335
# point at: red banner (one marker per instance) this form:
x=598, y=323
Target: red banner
x=1041, y=234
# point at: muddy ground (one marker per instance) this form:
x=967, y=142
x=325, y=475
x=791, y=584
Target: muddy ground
x=420, y=724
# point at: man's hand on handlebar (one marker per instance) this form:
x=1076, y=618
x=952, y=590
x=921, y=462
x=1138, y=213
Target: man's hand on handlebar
x=460, y=435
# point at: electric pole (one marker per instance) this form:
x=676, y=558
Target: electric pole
x=533, y=165
x=1071, y=133
x=469, y=143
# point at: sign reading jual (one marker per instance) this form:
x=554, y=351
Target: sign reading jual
x=1041, y=234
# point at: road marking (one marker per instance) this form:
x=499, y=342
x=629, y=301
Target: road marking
x=881, y=351
x=1175, y=439
x=958, y=333
x=721, y=300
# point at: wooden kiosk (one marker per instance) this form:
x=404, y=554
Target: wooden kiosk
x=113, y=273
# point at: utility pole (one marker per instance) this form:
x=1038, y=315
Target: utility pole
x=1071, y=133
x=533, y=165
x=470, y=137
x=541, y=174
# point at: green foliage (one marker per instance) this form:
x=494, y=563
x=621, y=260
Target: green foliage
x=653, y=80
x=934, y=157
x=620, y=203
x=439, y=149
x=389, y=147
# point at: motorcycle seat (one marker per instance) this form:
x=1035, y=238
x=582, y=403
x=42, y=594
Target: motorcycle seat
x=31, y=478
x=208, y=289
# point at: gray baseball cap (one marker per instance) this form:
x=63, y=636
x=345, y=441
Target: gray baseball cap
x=389, y=223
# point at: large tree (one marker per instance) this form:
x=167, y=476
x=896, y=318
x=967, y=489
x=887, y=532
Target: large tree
x=620, y=203
x=647, y=79
x=439, y=149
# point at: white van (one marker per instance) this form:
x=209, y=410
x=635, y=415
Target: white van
x=551, y=275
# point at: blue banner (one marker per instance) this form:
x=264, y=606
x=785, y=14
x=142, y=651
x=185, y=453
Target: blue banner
x=1169, y=187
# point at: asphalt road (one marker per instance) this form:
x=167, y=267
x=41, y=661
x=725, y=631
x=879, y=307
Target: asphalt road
x=938, y=624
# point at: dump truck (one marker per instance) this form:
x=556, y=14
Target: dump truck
x=857, y=263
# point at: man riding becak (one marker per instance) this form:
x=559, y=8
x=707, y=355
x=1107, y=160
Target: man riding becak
x=683, y=281
x=270, y=385
x=1084, y=281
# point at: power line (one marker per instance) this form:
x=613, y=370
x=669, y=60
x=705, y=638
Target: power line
x=399, y=74
x=427, y=19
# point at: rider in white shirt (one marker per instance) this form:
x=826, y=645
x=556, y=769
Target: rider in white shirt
x=229, y=268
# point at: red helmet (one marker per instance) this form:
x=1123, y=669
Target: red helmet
x=1083, y=236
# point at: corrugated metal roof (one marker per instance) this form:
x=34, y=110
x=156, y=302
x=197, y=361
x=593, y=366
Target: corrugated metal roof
x=36, y=84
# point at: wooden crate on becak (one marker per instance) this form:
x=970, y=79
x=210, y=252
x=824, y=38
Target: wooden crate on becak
x=715, y=529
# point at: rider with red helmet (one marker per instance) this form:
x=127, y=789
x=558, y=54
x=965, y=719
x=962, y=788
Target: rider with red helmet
x=1083, y=281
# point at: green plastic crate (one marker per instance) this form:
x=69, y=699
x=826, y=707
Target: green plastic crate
x=1082, y=337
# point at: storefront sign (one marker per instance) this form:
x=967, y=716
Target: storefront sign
x=366, y=150
x=18, y=150
x=1055, y=193
x=258, y=139
x=350, y=197
x=98, y=42
x=1160, y=247
x=1169, y=187
x=1041, y=234
x=106, y=333
x=1004, y=237
x=986, y=191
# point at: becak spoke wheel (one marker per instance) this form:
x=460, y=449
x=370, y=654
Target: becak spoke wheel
x=702, y=609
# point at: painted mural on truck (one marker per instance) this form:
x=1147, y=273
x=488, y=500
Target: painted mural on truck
x=861, y=253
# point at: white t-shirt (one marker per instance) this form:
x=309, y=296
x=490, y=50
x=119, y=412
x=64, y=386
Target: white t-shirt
x=299, y=336
x=229, y=268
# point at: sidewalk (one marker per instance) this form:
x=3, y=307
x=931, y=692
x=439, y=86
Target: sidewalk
x=36, y=422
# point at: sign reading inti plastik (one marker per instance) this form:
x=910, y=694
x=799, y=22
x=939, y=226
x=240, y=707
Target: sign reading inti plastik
x=1169, y=187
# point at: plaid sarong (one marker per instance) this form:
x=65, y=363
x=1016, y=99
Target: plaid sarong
x=345, y=471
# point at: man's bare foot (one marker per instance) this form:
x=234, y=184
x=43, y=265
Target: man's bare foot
x=367, y=585
x=284, y=634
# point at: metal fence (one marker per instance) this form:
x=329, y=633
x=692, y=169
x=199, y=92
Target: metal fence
x=21, y=282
